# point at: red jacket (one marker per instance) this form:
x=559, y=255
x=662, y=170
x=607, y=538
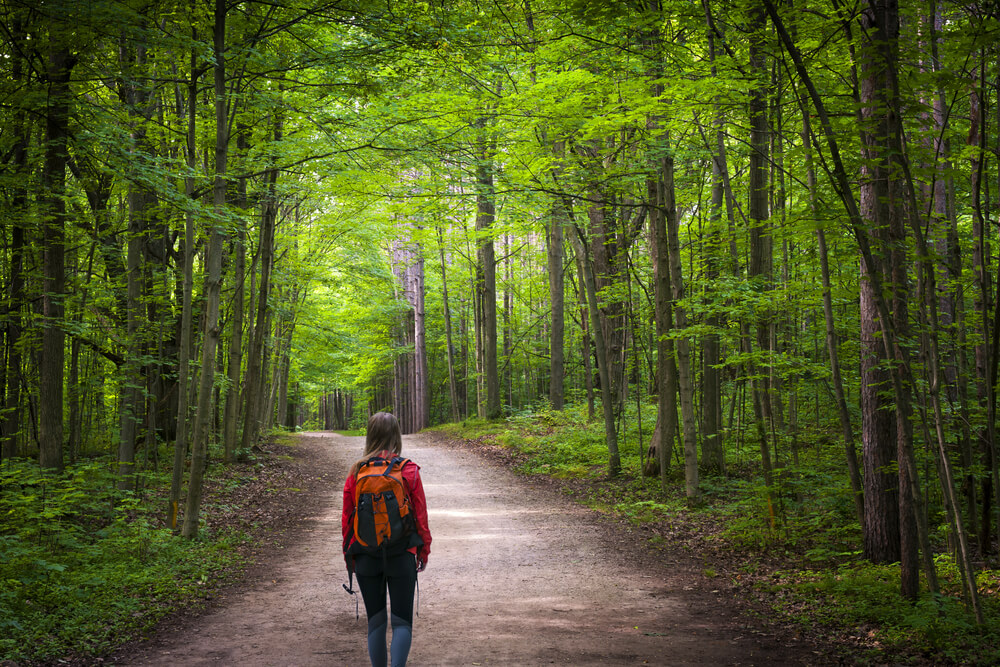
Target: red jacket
x=418, y=502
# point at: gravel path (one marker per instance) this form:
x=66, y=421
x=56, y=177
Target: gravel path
x=518, y=575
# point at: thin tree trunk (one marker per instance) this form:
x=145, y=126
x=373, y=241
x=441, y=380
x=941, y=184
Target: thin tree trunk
x=213, y=284
x=253, y=416
x=607, y=397
x=184, y=353
x=712, y=452
x=685, y=382
x=508, y=306
x=760, y=267
x=832, y=342
x=588, y=370
x=452, y=387
x=980, y=266
x=421, y=385
x=232, y=415
x=555, y=254
x=132, y=400
x=15, y=289
x=666, y=372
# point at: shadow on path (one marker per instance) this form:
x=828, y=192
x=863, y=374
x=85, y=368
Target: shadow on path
x=518, y=575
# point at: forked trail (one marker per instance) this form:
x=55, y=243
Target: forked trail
x=518, y=575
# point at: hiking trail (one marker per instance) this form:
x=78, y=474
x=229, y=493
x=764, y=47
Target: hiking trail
x=518, y=575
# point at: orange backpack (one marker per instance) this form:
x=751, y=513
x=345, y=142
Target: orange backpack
x=383, y=521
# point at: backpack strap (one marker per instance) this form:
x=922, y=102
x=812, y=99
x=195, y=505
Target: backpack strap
x=402, y=462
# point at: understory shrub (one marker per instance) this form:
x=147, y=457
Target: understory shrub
x=84, y=566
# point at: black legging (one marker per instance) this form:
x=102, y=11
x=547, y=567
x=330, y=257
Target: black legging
x=398, y=574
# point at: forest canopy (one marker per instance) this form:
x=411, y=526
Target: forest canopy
x=758, y=222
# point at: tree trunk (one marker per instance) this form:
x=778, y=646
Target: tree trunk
x=607, y=397
x=508, y=315
x=712, y=452
x=11, y=423
x=253, y=416
x=883, y=197
x=59, y=68
x=422, y=396
x=232, y=415
x=588, y=371
x=213, y=284
x=132, y=400
x=413, y=398
x=980, y=266
x=555, y=253
x=485, y=215
x=452, y=386
x=685, y=381
x=713, y=457
x=761, y=251
x=666, y=372
x=878, y=426
x=184, y=353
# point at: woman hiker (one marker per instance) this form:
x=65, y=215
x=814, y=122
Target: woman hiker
x=386, y=538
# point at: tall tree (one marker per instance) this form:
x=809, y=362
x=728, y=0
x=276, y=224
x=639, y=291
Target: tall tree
x=759, y=270
x=58, y=72
x=187, y=294
x=555, y=255
x=486, y=263
x=213, y=283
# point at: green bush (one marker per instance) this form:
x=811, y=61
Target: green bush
x=84, y=567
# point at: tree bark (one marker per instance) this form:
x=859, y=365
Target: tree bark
x=59, y=67
x=985, y=391
x=666, y=372
x=452, y=386
x=685, y=381
x=232, y=415
x=555, y=255
x=761, y=244
x=607, y=397
x=412, y=403
x=213, y=284
x=588, y=370
x=878, y=434
x=485, y=215
x=11, y=423
x=187, y=295
x=253, y=415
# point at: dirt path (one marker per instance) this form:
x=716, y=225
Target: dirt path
x=518, y=575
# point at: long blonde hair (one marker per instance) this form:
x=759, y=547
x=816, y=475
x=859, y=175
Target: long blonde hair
x=382, y=434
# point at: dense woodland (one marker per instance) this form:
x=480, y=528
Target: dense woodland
x=771, y=223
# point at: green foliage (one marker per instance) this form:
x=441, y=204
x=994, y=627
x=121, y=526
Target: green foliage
x=866, y=596
x=85, y=567
x=557, y=443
